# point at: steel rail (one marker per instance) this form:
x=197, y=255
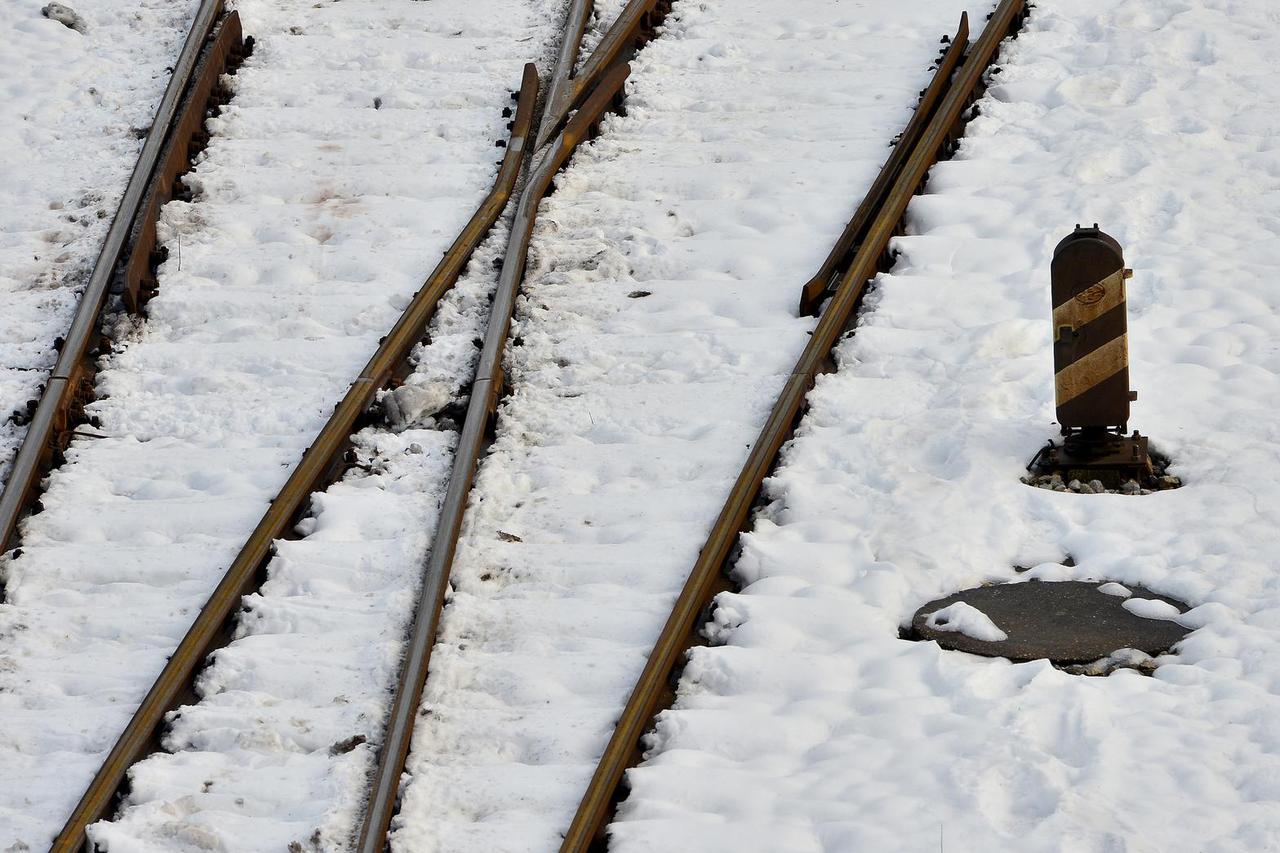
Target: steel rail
x=568, y=90
x=842, y=253
x=652, y=691
x=575, y=27
x=136, y=282
x=486, y=391
x=317, y=466
x=39, y=448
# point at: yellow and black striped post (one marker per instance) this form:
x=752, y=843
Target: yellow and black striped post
x=1090, y=333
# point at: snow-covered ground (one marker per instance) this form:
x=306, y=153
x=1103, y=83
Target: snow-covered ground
x=812, y=727
x=267, y=757
x=360, y=139
x=74, y=105
x=658, y=322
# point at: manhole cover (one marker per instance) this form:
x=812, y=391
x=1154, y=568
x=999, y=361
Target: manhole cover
x=1065, y=621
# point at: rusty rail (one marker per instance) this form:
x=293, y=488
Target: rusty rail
x=633, y=26
x=591, y=92
x=319, y=464
x=828, y=276
x=188, y=137
x=163, y=157
x=652, y=691
x=486, y=391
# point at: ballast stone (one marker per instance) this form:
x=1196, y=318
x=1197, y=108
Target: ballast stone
x=413, y=403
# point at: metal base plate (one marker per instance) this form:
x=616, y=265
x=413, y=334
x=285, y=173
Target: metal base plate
x=1066, y=622
x=1113, y=459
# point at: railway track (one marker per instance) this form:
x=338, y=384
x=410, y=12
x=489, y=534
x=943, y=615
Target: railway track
x=808, y=722
x=589, y=92
x=862, y=250
x=191, y=311
x=128, y=257
x=619, y=367
x=331, y=453
x=321, y=463
x=483, y=736
x=78, y=102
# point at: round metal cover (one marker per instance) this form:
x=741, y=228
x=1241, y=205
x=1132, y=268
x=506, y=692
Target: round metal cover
x=1067, y=622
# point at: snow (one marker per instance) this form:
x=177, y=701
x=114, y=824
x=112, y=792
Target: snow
x=968, y=620
x=1117, y=589
x=657, y=324
x=1151, y=608
x=70, y=103
x=812, y=726
x=316, y=217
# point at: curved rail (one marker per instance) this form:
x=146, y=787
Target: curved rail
x=652, y=691
x=486, y=391
x=69, y=384
x=319, y=464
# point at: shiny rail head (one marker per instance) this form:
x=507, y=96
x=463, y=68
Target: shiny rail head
x=488, y=384
x=560, y=82
x=39, y=447
x=384, y=786
x=571, y=91
x=226, y=49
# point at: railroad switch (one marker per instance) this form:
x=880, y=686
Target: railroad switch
x=1091, y=366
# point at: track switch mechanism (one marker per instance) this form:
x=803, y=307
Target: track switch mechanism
x=1091, y=363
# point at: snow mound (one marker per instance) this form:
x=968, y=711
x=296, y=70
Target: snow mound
x=1152, y=608
x=64, y=15
x=968, y=620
